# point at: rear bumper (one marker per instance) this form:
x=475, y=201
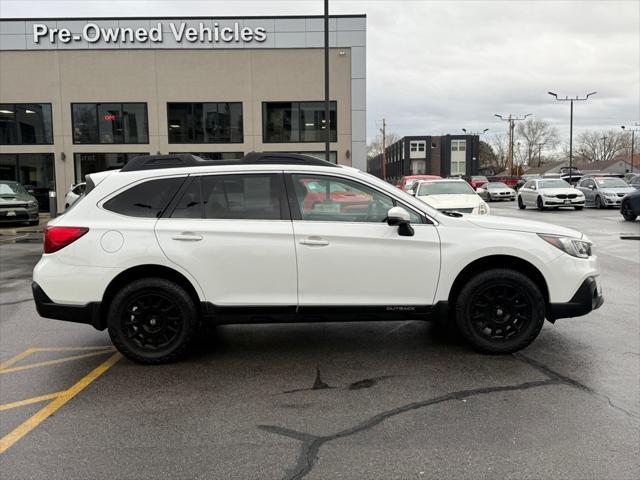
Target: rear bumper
x=587, y=298
x=88, y=313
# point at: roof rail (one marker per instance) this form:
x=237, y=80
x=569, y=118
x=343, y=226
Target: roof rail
x=154, y=162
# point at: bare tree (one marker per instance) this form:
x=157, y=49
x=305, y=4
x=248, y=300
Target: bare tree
x=534, y=136
x=500, y=145
x=597, y=146
x=375, y=147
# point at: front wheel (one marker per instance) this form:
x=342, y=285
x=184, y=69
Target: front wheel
x=540, y=204
x=599, y=202
x=152, y=321
x=500, y=311
x=627, y=212
x=521, y=204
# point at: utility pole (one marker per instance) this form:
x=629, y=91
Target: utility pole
x=633, y=138
x=540, y=145
x=604, y=147
x=567, y=99
x=327, y=104
x=512, y=123
x=383, y=131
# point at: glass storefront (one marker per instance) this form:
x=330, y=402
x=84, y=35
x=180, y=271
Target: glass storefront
x=296, y=122
x=26, y=124
x=205, y=122
x=33, y=170
x=105, y=123
x=86, y=163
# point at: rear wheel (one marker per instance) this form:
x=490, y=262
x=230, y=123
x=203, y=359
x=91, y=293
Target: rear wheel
x=599, y=202
x=521, y=204
x=627, y=212
x=540, y=204
x=500, y=311
x=152, y=321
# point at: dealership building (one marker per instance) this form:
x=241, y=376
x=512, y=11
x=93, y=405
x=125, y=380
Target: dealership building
x=84, y=95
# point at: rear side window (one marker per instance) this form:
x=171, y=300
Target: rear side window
x=147, y=199
x=234, y=197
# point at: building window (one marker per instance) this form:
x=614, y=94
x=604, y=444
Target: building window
x=418, y=167
x=297, y=122
x=333, y=155
x=86, y=163
x=26, y=124
x=458, y=145
x=458, y=157
x=96, y=123
x=215, y=155
x=35, y=171
x=205, y=122
x=418, y=146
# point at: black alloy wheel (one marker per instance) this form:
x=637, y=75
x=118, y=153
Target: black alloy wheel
x=500, y=311
x=540, y=204
x=627, y=212
x=152, y=321
x=521, y=204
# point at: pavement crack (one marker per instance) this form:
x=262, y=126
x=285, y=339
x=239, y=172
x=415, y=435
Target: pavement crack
x=318, y=384
x=311, y=444
x=552, y=374
x=368, y=382
x=14, y=302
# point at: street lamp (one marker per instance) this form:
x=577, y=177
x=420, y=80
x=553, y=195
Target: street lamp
x=473, y=158
x=567, y=99
x=633, y=135
x=511, y=119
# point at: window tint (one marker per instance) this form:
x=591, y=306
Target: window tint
x=239, y=197
x=219, y=122
x=25, y=124
x=146, y=199
x=95, y=123
x=296, y=122
x=330, y=199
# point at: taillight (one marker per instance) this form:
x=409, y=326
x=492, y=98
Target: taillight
x=56, y=238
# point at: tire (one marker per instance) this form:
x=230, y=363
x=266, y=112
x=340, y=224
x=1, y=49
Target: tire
x=521, y=204
x=164, y=327
x=540, y=204
x=500, y=311
x=627, y=212
x=33, y=223
x=598, y=202
x=578, y=208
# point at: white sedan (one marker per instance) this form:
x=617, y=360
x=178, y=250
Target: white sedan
x=451, y=195
x=549, y=193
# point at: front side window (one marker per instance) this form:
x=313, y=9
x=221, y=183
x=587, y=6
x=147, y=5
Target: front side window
x=211, y=122
x=233, y=197
x=146, y=200
x=297, y=122
x=26, y=124
x=332, y=199
x=106, y=123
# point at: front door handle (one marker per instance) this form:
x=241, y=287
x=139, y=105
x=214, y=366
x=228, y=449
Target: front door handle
x=187, y=237
x=314, y=242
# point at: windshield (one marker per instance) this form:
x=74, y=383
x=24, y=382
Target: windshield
x=553, y=184
x=479, y=178
x=445, y=188
x=496, y=185
x=12, y=189
x=611, y=182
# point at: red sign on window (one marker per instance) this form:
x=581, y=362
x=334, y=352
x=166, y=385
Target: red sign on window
x=110, y=117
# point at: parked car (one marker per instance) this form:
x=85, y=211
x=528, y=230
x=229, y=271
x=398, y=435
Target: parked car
x=525, y=178
x=173, y=242
x=571, y=175
x=17, y=205
x=74, y=193
x=630, y=176
x=476, y=181
x=494, y=191
x=630, y=206
x=555, y=193
x=510, y=181
x=405, y=183
x=450, y=195
x=603, y=192
x=635, y=182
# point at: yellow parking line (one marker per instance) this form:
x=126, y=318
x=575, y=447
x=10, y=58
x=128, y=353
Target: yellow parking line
x=71, y=349
x=41, y=415
x=17, y=358
x=54, y=362
x=29, y=401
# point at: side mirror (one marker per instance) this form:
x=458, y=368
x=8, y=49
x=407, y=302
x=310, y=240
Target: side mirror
x=399, y=216
x=590, y=187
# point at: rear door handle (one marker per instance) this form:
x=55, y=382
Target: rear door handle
x=314, y=242
x=187, y=237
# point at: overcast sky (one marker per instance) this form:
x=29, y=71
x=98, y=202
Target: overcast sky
x=436, y=67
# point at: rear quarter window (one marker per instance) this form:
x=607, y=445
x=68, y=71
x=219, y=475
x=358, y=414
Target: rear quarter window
x=147, y=199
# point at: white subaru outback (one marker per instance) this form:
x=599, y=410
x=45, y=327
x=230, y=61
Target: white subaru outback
x=165, y=245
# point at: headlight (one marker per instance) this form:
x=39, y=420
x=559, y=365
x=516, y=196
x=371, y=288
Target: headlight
x=548, y=195
x=572, y=246
x=482, y=209
x=32, y=203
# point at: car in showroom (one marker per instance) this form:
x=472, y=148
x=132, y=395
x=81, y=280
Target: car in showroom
x=450, y=195
x=405, y=183
x=630, y=206
x=171, y=243
x=17, y=205
x=74, y=193
x=496, y=191
x=603, y=192
x=549, y=193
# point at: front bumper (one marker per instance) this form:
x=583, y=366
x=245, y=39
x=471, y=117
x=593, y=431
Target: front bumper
x=561, y=202
x=20, y=214
x=88, y=313
x=510, y=196
x=587, y=298
x=612, y=202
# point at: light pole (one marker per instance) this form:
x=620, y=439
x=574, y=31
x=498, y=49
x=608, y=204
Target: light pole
x=604, y=147
x=473, y=157
x=633, y=138
x=567, y=99
x=540, y=145
x=327, y=107
x=512, y=122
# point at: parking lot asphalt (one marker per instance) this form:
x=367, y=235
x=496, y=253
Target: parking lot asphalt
x=329, y=401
